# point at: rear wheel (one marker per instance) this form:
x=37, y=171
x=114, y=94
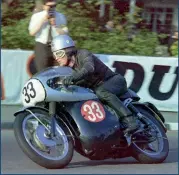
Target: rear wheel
x=38, y=145
x=156, y=151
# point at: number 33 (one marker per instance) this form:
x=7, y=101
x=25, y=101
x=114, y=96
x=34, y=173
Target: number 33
x=29, y=92
x=93, y=111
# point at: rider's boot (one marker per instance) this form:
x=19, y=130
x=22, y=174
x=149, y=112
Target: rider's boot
x=124, y=113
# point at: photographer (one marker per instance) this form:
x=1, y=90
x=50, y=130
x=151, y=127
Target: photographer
x=46, y=25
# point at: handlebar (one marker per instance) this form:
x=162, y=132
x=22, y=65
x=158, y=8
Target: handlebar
x=60, y=82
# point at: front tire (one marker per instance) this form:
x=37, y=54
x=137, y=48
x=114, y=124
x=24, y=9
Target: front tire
x=34, y=153
x=141, y=154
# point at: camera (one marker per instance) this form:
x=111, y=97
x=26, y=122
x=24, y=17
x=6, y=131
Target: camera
x=51, y=13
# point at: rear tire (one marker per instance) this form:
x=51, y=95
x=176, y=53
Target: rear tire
x=144, y=157
x=33, y=155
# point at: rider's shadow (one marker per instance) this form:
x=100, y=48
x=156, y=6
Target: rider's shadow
x=102, y=162
x=172, y=158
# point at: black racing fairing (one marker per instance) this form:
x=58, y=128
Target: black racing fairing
x=94, y=133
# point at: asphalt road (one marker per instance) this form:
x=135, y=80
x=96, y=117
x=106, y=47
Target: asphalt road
x=14, y=161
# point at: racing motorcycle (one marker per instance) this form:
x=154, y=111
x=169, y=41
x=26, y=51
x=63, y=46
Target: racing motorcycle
x=56, y=120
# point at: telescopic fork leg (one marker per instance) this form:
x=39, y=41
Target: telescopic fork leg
x=52, y=112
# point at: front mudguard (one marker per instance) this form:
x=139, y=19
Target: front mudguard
x=24, y=109
x=153, y=110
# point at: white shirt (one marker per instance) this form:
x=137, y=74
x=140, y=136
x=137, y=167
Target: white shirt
x=42, y=35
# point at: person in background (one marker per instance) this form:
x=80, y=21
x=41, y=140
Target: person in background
x=90, y=72
x=173, y=37
x=108, y=27
x=45, y=25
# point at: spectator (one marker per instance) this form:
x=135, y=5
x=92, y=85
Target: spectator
x=172, y=40
x=109, y=27
x=173, y=36
x=46, y=25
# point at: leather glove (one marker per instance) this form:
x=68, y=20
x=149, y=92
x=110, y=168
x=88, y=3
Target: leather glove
x=68, y=80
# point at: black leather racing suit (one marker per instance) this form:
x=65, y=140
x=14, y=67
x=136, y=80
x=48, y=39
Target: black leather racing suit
x=90, y=72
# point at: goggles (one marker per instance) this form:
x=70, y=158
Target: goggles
x=59, y=54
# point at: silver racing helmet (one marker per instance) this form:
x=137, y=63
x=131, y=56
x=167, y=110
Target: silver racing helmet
x=61, y=42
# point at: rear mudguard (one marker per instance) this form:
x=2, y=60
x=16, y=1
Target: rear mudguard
x=152, y=111
x=151, y=106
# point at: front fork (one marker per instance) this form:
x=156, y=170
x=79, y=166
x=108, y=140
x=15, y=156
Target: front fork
x=52, y=113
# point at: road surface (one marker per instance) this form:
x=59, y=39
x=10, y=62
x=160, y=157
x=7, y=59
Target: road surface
x=14, y=161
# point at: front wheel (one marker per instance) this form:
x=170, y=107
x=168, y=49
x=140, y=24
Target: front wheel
x=156, y=151
x=45, y=150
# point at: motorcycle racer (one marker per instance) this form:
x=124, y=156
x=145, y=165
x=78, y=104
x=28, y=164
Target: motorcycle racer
x=91, y=72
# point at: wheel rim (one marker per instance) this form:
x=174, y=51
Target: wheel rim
x=155, y=147
x=49, y=148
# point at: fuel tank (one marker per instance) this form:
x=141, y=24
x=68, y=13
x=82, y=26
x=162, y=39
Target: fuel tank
x=98, y=127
